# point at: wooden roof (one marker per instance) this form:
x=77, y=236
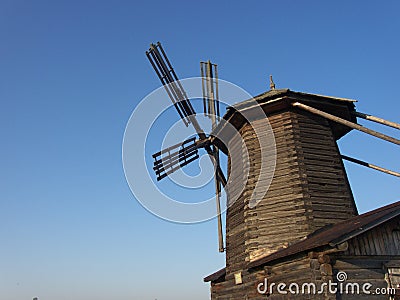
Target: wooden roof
x=331, y=235
x=275, y=101
x=273, y=94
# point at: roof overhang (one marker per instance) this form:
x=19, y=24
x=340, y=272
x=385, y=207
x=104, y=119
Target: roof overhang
x=276, y=101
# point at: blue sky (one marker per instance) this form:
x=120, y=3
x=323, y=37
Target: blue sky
x=71, y=73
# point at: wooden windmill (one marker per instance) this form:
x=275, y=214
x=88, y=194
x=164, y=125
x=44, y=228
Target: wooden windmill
x=176, y=156
x=306, y=128
x=309, y=192
x=307, y=223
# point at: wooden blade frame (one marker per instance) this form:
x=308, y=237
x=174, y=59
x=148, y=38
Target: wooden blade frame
x=221, y=247
x=169, y=79
x=173, y=158
x=209, y=84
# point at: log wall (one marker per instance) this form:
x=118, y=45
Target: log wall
x=309, y=189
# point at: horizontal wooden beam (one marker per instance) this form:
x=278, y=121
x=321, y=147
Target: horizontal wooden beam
x=376, y=119
x=368, y=165
x=347, y=123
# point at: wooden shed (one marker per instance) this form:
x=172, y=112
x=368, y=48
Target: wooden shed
x=305, y=236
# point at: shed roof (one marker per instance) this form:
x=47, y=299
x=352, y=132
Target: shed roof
x=329, y=235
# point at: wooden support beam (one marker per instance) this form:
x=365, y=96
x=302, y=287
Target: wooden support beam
x=368, y=165
x=376, y=119
x=347, y=123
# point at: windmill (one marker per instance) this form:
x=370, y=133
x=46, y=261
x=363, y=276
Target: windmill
x=176, y=156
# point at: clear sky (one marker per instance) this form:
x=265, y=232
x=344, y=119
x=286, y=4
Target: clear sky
x=72, y=72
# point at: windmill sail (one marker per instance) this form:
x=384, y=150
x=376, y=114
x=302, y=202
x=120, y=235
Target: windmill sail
x=218, y=199
x=169, y=79
x=209, y=84
x=173, y=158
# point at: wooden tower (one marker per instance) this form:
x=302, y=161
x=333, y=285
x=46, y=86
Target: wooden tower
x=309, y=189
